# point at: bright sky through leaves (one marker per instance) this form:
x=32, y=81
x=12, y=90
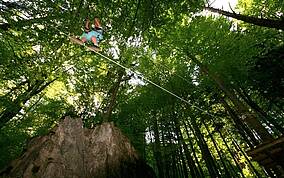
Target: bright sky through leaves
x=224, y=4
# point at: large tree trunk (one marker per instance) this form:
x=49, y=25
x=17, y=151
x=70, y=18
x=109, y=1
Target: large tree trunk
x=72, y=151
x=270, y=23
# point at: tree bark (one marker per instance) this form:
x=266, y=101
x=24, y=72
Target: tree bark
x=270, y=23
x=70, y=150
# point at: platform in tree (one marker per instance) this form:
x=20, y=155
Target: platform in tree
x=270, y=155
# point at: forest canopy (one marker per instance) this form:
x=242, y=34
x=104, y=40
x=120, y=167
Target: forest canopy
x=199, y=85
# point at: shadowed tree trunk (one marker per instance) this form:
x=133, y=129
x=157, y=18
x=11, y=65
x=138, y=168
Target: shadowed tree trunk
x=246, y=114
x=70, y=150
x=180, y=148
x=225, y=168
x=206, y=154
x=200, y=171
x=243, y=130
x=190, y=162
x=113, y=94
x=157, y=148
x=269, y=120
x=16, y=106
x=270, y=23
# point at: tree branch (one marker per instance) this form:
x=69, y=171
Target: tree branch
x=270, y=23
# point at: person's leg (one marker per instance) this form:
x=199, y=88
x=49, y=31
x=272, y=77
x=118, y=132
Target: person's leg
x=94, y=40
x=97, y=23
x=87, y=25
x=84, y=39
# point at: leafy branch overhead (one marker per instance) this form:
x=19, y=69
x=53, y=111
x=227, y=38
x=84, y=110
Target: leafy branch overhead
x=194, y=87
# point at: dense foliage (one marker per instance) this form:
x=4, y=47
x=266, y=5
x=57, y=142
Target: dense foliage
x=223, y=79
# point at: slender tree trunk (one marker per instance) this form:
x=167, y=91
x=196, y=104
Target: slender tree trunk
x=183, y=166
x=167, y=165
x=258, y=110
x=157, y=148
x=178, y=165
x=245, y=132
x=200, y=170
x=173, y=155
x=227, y=173
x=232, y=155
x=113, y=94
x=210, y=163
x=247, y=159
x=178, y=159
x=190, y=162
x=249, y=119
x=270, y=23
x=18, y=103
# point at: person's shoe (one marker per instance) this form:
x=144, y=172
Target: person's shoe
x=96, y=45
